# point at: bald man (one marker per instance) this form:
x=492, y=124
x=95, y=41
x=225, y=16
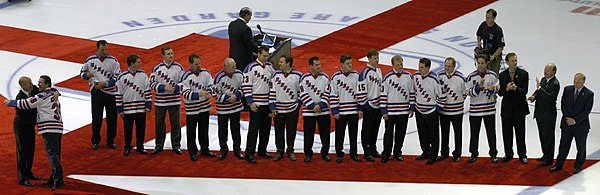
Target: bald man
x=24, y=127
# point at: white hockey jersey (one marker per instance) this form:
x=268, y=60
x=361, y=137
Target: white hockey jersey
x=102, y=69
x=454, y=89
x=133, y=92
x=163, y=75
x=483, y=101
x=314, y=90
x=257, y=77
x=285, y=91
x=343, y=93
x=369, y=87
x=193, y=82
x=428, y=92
x=398, y=95
x=49, y=119
x=227, y=85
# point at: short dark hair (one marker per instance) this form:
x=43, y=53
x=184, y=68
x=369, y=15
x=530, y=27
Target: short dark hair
x=483, y=56
x=511, y=54
x=493, y=12
x=245, y=11
x=312, y=60
x=192, y=57
x=452, y=60
x=131, y=59
x=263, y=48
x=101, y=42
x=372, y=52
x=47, y=80
x=288, y=59
x=165, y=48
x=425, y=61
x=344, y=58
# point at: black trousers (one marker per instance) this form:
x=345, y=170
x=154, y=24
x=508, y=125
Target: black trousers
x=25, y=139
x=490, y=130
x=395, y=131
x=234, y=122
x=286, y=123
x=351, y=121
x=140, y=129
x=456, y=121
x=546, y=129
x=197, y=123
x=518, y=123
x=260, y=127
x=370, y=130
x=52, y=144
x=100, y=102
x=429, y=134
x=566, y=137
x=310, y=124
x=160, y=118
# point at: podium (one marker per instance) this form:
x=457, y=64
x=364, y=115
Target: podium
x=280, y=46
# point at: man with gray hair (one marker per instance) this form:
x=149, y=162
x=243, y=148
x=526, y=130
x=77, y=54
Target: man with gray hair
x=241, y=46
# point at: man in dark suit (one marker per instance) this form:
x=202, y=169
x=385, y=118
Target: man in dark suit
x=545, y=111
x=514, y=82
x=576, y=104
x=24, y=127
x=241, y=45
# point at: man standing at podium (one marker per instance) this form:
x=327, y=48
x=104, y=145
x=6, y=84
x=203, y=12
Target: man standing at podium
x=241, y=46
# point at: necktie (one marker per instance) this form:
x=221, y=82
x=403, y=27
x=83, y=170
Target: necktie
x=576, y=94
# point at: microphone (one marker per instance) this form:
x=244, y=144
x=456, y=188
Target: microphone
x=259, y=29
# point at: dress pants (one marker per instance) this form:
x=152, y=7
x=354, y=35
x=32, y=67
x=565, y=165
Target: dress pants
x=140, y=129
x=490, y=130
x=370, y=130
x=566, y=137
x=456, y=121
x=286, y=123
x=234, y=122
x=546, y=128
x=25, y=140
x=260, y=127
x=518, y=123
x=395, y=131
x=429, y=134
x=100, y=102
x=310, y=124
x=52, y=144
x=351, y=121
x=197, y=123
x=160, y=115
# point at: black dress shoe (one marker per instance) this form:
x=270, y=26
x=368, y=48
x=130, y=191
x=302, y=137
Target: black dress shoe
x=355, y=158
x=142, y=151
x=339, y=159
x=545, y=164
x=507, y=158
x=177, y=151
x=398, y=158
x=278, y=157
x=494, y=159
x=430, y=162
x=385, y=159
x=156, y=151
x=326, y=158
x=209, y=154
x=376, y=154
x=443, y=157
x=250, y=159
x=58, y=185
x=238, y=155
x=307, y=159
x=94, y=146
x=472, y=159
x=421, y=157
x=48, y=182
x=291, y=156
x=576, y=170
x=223, y=155
x=541, y=159
x=555, y=169
x=193, y=157
x=456, y=159
x=26, y=183
x=265, y=155
x=112, y=145
x=524, y=161
x=34, y=177
x=370, y=158
x=126, y=152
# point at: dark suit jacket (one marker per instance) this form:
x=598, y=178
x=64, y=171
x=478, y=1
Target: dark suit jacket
x=240, y=43
x=25, y=117
x=579, y=110
x=514, y=103
x=545, y=99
